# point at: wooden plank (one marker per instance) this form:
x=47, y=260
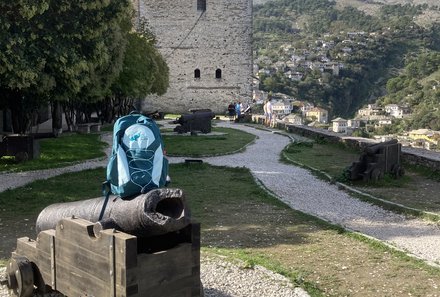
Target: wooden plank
x=43, y=265
x=43, y=262
x=53, y=260
x=73, y=253
x=27, y=248
x=178, y=288
x=81, y=231
x=126, y=249
x=195, y=235
x=72, y=281
x=44, y=240
x=164, y=267
x=197, y=283
x=125, y=259
x=112, y=264
x=179, y=255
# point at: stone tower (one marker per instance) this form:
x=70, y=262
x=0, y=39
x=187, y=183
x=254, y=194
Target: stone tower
x=207, y=45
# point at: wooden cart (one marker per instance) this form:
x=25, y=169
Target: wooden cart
x=75, y=262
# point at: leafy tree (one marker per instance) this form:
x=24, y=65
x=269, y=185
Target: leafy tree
x=55, y=50
x=145, y=72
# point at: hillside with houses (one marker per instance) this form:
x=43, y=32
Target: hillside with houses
x=367, y=122
x=349, y=72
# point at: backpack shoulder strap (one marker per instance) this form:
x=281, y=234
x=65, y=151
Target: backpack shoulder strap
x=106, y=191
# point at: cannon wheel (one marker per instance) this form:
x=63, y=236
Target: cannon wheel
x=397, y=171
x=20, y=276
x=376, y=174
x=21, y=157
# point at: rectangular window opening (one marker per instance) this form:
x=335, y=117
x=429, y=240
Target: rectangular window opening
x=201, y=5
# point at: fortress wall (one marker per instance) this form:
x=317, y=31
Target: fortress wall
x=218, y=38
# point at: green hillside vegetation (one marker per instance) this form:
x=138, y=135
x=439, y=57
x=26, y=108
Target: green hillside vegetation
x=382, y=45
x=417, y=87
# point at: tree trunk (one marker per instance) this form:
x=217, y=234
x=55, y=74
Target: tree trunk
x=57, y=118
x=19, y=118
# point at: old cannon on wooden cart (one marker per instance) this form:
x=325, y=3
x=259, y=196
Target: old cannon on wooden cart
x=198, y=120
x=146, y=246
x=22, y=147
x=377, y=160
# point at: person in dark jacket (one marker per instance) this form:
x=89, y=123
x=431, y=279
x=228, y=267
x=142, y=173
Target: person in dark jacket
x=231, y=111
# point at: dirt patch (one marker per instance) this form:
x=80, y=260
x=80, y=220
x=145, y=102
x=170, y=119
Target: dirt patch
x=418, y=192
x=13, y=228
x=338, y=264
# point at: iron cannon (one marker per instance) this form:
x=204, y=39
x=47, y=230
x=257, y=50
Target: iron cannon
x=22, y=147
x=377, y=160
x=146, y=246
x=198, y=120
x=157, y=212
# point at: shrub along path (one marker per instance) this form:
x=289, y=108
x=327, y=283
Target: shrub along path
x=302, y=191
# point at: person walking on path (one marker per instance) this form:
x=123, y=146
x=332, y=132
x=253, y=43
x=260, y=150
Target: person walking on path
x=269, y=112
x=265, y=112
x=238, y=109
x=231, y=111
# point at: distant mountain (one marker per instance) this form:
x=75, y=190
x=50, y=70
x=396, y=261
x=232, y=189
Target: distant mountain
x=373, y=6
x=370, y=2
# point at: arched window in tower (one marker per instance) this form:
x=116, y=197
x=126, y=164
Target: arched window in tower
x=218, y=73
x=197, y=73
x=201, y=5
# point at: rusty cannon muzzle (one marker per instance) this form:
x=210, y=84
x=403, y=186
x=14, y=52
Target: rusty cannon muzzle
x=157, y=212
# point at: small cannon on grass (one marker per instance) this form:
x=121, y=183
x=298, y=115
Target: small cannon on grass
x=22, y=147
x=146, y=246
x=377, y=160
x=198, y=120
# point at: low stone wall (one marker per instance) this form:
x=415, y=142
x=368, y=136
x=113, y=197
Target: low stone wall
x=413, y=156
x=421, y=157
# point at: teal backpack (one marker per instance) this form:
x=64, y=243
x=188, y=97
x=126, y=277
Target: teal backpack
x=137, y=163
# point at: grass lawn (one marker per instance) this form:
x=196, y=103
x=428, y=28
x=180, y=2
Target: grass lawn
x=225, y=142
x=67, y=149
x=240, y=220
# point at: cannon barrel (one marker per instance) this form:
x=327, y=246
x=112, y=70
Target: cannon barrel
x=157, y=212
x=197, y=115
x=374, y=148
x=199, y=120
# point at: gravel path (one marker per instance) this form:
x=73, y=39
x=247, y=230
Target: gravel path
x=302, y=191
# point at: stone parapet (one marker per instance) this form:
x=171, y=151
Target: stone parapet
x=429, y=159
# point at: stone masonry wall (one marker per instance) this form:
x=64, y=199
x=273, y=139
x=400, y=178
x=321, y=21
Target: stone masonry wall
x=218, y=38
